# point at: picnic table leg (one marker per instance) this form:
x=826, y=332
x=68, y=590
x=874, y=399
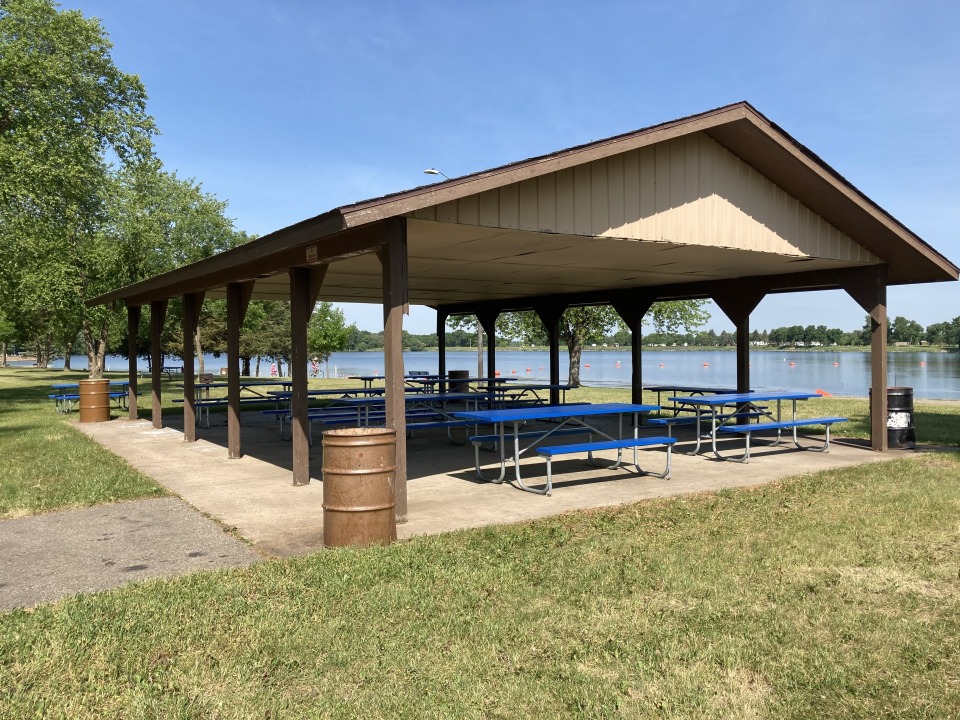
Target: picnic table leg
x=503, y=463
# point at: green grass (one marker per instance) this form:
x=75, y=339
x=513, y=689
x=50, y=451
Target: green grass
x=833, y=595
x=47, y=463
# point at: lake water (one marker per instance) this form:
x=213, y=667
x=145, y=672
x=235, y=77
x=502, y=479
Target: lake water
x=930, y=374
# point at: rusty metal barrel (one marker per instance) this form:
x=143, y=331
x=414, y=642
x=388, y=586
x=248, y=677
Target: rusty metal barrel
x=94, y=400
x=359, y=472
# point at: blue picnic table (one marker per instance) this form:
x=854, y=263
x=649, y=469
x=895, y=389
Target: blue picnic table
x=730, y=413
x=565, y=420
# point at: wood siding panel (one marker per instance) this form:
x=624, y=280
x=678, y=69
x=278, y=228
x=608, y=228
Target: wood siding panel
x=566, y=216
x=691, y=191
x=510, y=206
x=615, y=197
x=468, y=210
x=547, y=201
x=599, y=194
x=447, y=212
x=631, y=194
x=649, y=227
x=489, y=208
x=582, y=177
x=529, y=202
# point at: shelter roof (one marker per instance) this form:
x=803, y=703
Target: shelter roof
x=718, y=196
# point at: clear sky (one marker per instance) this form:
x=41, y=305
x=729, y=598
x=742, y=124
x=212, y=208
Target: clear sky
x=289, y=108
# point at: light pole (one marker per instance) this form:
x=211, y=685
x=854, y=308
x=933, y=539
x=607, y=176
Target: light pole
x=434, y=171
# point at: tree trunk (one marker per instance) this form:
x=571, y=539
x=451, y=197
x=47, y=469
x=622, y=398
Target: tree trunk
x=480, y=350
x=198, y=350
x=246, y=366
x=258, y=366
x=96, y=347
x=67, y=356
x=3, y=351
x=574, y=348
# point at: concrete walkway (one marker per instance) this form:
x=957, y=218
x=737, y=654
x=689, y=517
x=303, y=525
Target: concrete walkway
x=255, y=496
x=50, y=556
x=47, y=557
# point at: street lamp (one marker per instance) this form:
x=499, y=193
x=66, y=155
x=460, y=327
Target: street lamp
x=434, y=171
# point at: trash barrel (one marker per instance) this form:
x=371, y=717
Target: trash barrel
x=459, y=375
x=94, y=400
x=359, y=473
x=900, y=430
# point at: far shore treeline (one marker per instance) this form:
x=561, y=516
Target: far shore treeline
x=900, y=332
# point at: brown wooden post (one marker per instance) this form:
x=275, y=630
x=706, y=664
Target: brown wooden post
x=133, y=330
x=737, y=302
x=158, y=313
x=442, y=345
x=299, y=317
x=192, y=303
x=393, y=257
x=238, y=297
x=869, y=289
x=631, y=308
x=550, y=317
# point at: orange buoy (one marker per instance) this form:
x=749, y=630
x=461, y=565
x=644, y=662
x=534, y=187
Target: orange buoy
x=706, y=364
x=496, y=373
x=922, y=364
x=528, y=369
x=793, y=364
x=618, y=363
x=836, y=364
x=661, y=364
x=513, y=372
x=587, y=365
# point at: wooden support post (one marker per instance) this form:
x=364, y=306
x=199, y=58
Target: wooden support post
x=158, y=313
x=393, y=257
x=192, y=303
x=550, y=315
x=299, y=317
x=133, y=330
x=869, y=288
x=631, y=307
x=737, y=302
x=238, y=298
x=442, y=344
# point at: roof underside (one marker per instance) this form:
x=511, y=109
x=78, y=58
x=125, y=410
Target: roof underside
x=728, y=195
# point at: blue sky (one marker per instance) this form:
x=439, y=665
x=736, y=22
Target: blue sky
x=290, y=108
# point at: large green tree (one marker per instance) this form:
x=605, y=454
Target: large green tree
x=69, y=118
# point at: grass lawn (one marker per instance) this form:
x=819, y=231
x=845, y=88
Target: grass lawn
x=827, y=596
x=831, y=595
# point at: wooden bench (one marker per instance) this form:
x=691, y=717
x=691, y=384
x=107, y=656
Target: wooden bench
x=778, y=427
x=548, y=452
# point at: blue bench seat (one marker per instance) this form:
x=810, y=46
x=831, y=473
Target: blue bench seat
x=548, y=452
x=778, y=427
x=63, y=402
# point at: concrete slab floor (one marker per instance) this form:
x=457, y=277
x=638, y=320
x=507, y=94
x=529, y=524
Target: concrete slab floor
x=255, y=497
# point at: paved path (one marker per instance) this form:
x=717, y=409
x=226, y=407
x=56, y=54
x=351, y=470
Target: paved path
x=47, y=557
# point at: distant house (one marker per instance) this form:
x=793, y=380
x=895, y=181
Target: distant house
x=901, y=343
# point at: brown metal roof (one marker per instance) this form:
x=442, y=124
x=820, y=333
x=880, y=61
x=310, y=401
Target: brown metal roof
x=345, y=235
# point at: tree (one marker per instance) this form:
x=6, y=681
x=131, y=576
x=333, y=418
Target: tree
x=68, y=117
x=903, y=330
x=326, y=332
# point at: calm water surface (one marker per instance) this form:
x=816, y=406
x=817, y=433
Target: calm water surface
x=930, y=374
